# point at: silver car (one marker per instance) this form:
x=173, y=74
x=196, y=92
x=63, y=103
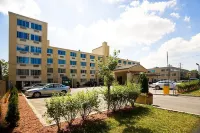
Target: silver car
x=48, y=89
x=33, y=86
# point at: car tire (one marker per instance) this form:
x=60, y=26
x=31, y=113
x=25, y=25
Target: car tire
x=36, y=94
x=63, y=91
x=157, y=87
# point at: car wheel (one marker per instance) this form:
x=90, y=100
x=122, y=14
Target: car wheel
x=36, y=94
x=63, y=91
x=157, y=87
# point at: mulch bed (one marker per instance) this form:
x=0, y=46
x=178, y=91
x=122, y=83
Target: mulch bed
x=29, y=123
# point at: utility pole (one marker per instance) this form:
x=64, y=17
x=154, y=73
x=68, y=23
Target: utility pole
x=180, y=72
x=1, y=75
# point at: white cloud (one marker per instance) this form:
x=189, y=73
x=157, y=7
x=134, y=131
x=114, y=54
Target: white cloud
x=187, y=19
x=121, y=6
x=135, y=3
x=25, y=7
x=145, y=48
x=176, y=15
x=113, y=1
x=178, y=49
x=189, y=27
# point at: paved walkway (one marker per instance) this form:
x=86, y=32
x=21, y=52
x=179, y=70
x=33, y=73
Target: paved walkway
x=177, y=103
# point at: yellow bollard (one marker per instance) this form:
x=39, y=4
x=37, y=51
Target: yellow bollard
x=166, y=89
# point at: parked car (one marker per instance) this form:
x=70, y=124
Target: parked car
x=193, y=79
x=48, y=89
x=90, y=83
x=160, y=84
x=33, y=86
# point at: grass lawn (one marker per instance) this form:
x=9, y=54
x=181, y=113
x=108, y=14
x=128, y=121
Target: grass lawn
x=144, y=119
x=194, y=93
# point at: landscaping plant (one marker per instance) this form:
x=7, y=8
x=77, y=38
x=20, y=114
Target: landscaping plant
x=12, y=115
x=144, y=82
x=188, y=86
x=88, y=102
x=54, y=109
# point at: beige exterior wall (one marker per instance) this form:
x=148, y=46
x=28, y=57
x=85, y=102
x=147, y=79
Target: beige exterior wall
x=102, y=51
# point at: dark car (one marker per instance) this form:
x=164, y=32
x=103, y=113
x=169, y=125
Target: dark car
x=90, y=83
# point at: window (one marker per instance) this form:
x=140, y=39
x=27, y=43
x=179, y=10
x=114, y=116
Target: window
x=49, y=70
x=72, y=62
x=36, y=26
x=92, y=64
x=162, y=70
x=49, y=60
x=61, y=61
x=50, y=80
x=23, y=23
x=61, y=52
x=35, y=49
x=49, y=51
x=73, y=54
x=83, y=55
x=119, y=61
x=124, y=62
x=23, y=48
x=83, y=80
x=129, y=63
x=83, y=71
x=61, y=70
x=22, y=35
x=36, y=38
x=92, y=57
x=73, y=71
x=24, y=60
x=35, y=72
x=22, y=72
x=83, y=63
x=133, y=63
x=92, y=71
x=174, y=74
x=35, y=61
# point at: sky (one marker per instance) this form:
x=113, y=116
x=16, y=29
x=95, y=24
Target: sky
x=143, y=30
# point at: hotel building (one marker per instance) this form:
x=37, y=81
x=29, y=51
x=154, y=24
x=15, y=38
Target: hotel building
x=33, y=60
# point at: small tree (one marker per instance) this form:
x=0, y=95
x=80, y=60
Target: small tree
x=106, y=71
x=4, y=69
x=144, y=83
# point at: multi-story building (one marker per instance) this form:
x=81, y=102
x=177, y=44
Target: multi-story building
x=174, y=73
x=32, y=59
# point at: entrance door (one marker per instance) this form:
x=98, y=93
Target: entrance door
x=119, y=79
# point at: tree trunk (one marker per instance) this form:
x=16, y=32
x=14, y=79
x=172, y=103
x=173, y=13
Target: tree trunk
x=108, y=98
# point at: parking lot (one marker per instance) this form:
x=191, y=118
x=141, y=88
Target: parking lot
x=178, y=103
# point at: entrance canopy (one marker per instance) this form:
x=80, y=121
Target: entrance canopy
x=131, y=73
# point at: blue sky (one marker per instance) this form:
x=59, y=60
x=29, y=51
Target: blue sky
x=143, y=30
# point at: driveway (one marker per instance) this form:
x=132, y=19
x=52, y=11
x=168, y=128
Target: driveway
x=177, y=103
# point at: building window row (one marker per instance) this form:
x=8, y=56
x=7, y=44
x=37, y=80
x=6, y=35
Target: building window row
x=25, y=72
x=23, y=48
x=73, y=71
x=49, y=61
x=92, y=64
x=83, y=55
x=26, y=24
x=92, y=57
x=73, y=54
x=22, y=35
x=61, y=52
x=92, y=71
x=36, y=38
x=61, y=61
x=83, y=71
x=35, y=61
x=61, y=70
x=25, y=60
x=49, y=70
x=36, y=49
x=49, y=51
x=72, y=62
x=83, y=63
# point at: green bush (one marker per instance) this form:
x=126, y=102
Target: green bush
x=188, y=86
x=144, y=83
x=54, y=109
x=70, y=108
x=88, y=102
x=121, y=95
x=12, y=115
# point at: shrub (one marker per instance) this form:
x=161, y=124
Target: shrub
x=88, y=102
x=12, y=115
x=70, y=108
x=188, y=86
x=122, y=95
x=144, y=83
x=54, y=109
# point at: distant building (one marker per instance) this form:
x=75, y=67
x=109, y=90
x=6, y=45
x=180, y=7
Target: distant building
x=174, y=73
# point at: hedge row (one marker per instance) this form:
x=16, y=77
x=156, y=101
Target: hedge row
x=12, y=115
x=188, y=86
x=83, y=103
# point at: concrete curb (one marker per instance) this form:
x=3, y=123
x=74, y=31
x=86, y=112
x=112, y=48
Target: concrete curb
x=41, y=119
x=187, y=95
x=176, y=110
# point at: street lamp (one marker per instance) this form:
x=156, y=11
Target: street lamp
x=198, y=70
